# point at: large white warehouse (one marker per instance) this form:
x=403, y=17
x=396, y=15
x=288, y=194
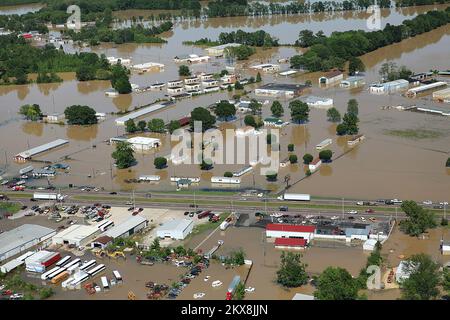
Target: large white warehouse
x=77, y=234
x=175, y=229
x=128, y=227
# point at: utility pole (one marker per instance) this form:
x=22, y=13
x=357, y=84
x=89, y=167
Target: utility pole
x=395, y=213
x=342, y=208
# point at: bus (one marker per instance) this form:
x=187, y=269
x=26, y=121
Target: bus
x=96, y=270
x=46, y=274
x=63, y=261
x=77, y=262
x=57, y=272
x=78, y=279
x=105, y=283
x=60, y=277
x=88, y=264
x=117, y=276
x=74, y=267
x=105, y=225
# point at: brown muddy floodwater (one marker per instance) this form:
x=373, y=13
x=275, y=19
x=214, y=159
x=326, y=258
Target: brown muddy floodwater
x=382, y=166
x=20, y=9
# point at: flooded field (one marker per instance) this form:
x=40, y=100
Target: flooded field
x=380, y=167
x=20, y=9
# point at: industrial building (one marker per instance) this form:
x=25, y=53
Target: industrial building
x=22, y=238
x=389, y=87
x=268, y=67
x=278, y=230
x=319, y=102
x=218, y=51
x=41, y=260
x=413, y=92
x=128, y=227
x=290, y=243
x=281, y=90
x=331, y=77
x=191, y=58
x=148, y=66
x=142, y=112
x=352, y=82
x=442, y=95
x=77, y=234
x=28, y=154
x=144, y=143
x=175, y=229
x=101, y=242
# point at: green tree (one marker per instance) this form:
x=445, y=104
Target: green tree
x=446, y=280
x=249, y=120
x=45, y=293
x=293, y=158
x=325, y=155
x=173, y=125
x=31, y=111
x=423, y=280
x=271, y=176
x=350, y=121
x=418, y=219
x=255, y=107
x=160, y=162
x=155, y=245
x=183, y=71
x=224, y=110
x=204, y=116
x=355, y=65
x=123, y=85
x=142, y=125
x=333, y=115
x=124, y=155
x=85, y=73
x=239, y=293
x=341, y=129
x=307, y=158
x=228, y=174
x=157, y=125
x=352, y=107
x=291, y=147
x=277, y=109
x=120, y=79
x=299, y=111
x=130, y=126
x=81, y=115
x=336, y=284
x=292, y=272
x=258, y=77
x=447, y=164
x=238, y=86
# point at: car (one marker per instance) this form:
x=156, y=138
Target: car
x=350, y=218
x=360, y=203
x=370, y=211
x=216, y=283
x=284, y=208
x=97, y=289
x=186, y=213
x=193, y=205
x=199, y=295
x=113, y=193
x=141, y=209
x=363, y=219
x=334, y=218
x=443, y=203
x=372, y=219
x=191, y=214
x=129, y=203
x=249, y=289
x=33, y=200
x=352, y=212
x=130, y=208
x=438, y=206
x=427, y=202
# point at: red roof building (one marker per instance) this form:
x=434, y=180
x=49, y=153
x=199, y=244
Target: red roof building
x=281, y=230
x=290, y=242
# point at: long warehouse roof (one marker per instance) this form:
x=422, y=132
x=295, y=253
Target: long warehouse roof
x=141, y=112
x=33, y=151
x=21, y=235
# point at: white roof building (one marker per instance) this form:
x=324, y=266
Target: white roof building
x=128, y=227
x=144, y=143
x=175, y=229
x=369, y=245
x=23, y=156
x=319, y=102
x=77, y=234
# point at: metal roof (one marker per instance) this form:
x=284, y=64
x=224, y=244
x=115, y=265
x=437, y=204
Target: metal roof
x=175, y=225
x=141, y=112
x=33, y=151
x=121, y=228
x=21, y=235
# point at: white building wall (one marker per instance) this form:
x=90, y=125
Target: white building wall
x=288, y=234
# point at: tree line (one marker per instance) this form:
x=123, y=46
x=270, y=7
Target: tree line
x=333, y=51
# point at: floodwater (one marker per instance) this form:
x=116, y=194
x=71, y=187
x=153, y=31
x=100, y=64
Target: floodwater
x=382, y=166
x=20, y=9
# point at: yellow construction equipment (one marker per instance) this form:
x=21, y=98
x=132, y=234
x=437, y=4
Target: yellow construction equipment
x=116, y=254
x=131, y=295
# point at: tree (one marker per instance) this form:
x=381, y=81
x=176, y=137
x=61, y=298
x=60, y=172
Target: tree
x=271, y=176
x=31, y=111
x=239, y=293
x=228, y=174
x=249, y=120
x=258, y=77
x=238, y=86
x=292, y=272
x=418, y=219
x=81, y=115
x=142, y=125
x=123, y=85
x=157, y=125
x=206, y=165
x=224, y=110
x=293, y=158
x=333, y=115
x=160, y=162
x=204, y=116
x=155, y=245
x=447, y=164
x=290, y=147
x=130, y=126
x=444, y=222
x=423, y=280
x=307, y=158
x=255, y=107
x=120, y=79
x=277, y=109
x=325, y=155
x=299, y=111
x=45, y=293
x=355, y=65
x=173, y=125
x=350, y=122
x=85, y=73
x=336, y=284
x=124, y=155
x=240, y=53
x=446, y=280
x=183, y=71
x=341, y=129
x=270, y=138
x=352, y=107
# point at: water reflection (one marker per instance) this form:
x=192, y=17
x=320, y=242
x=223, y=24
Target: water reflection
x=326, y=170
x=33, y=128
x=82, y=133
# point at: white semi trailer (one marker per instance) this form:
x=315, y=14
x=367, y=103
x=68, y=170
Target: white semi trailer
x=295, y=197
x=48, y=196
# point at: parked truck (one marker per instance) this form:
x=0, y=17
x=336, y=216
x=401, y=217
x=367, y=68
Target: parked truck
x=48, y=196
x=295, y=197
x=232, y=287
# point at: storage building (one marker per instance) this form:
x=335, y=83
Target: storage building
x=41, y=260
x=286, y=90
x=128, y=227
x=319, y=102
x=144, y=143
x=442, y=95
x=315, y=164
x=22, y=238
x=331, y=77
x=290, y=243
x=78, y=235
x=369, y=245
x=220, y=50
x=28, y=154
x=351, y=82
x=175, y=229
x=388, y=87
x=279, y=230
x=101, y=242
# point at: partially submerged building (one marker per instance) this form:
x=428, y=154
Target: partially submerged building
x=77, y=235
x=319, y=102
x=331, y=77
x=128, y=227
x=175, y=229
x=389, y=87
x=28, y=154
x=286, y=90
